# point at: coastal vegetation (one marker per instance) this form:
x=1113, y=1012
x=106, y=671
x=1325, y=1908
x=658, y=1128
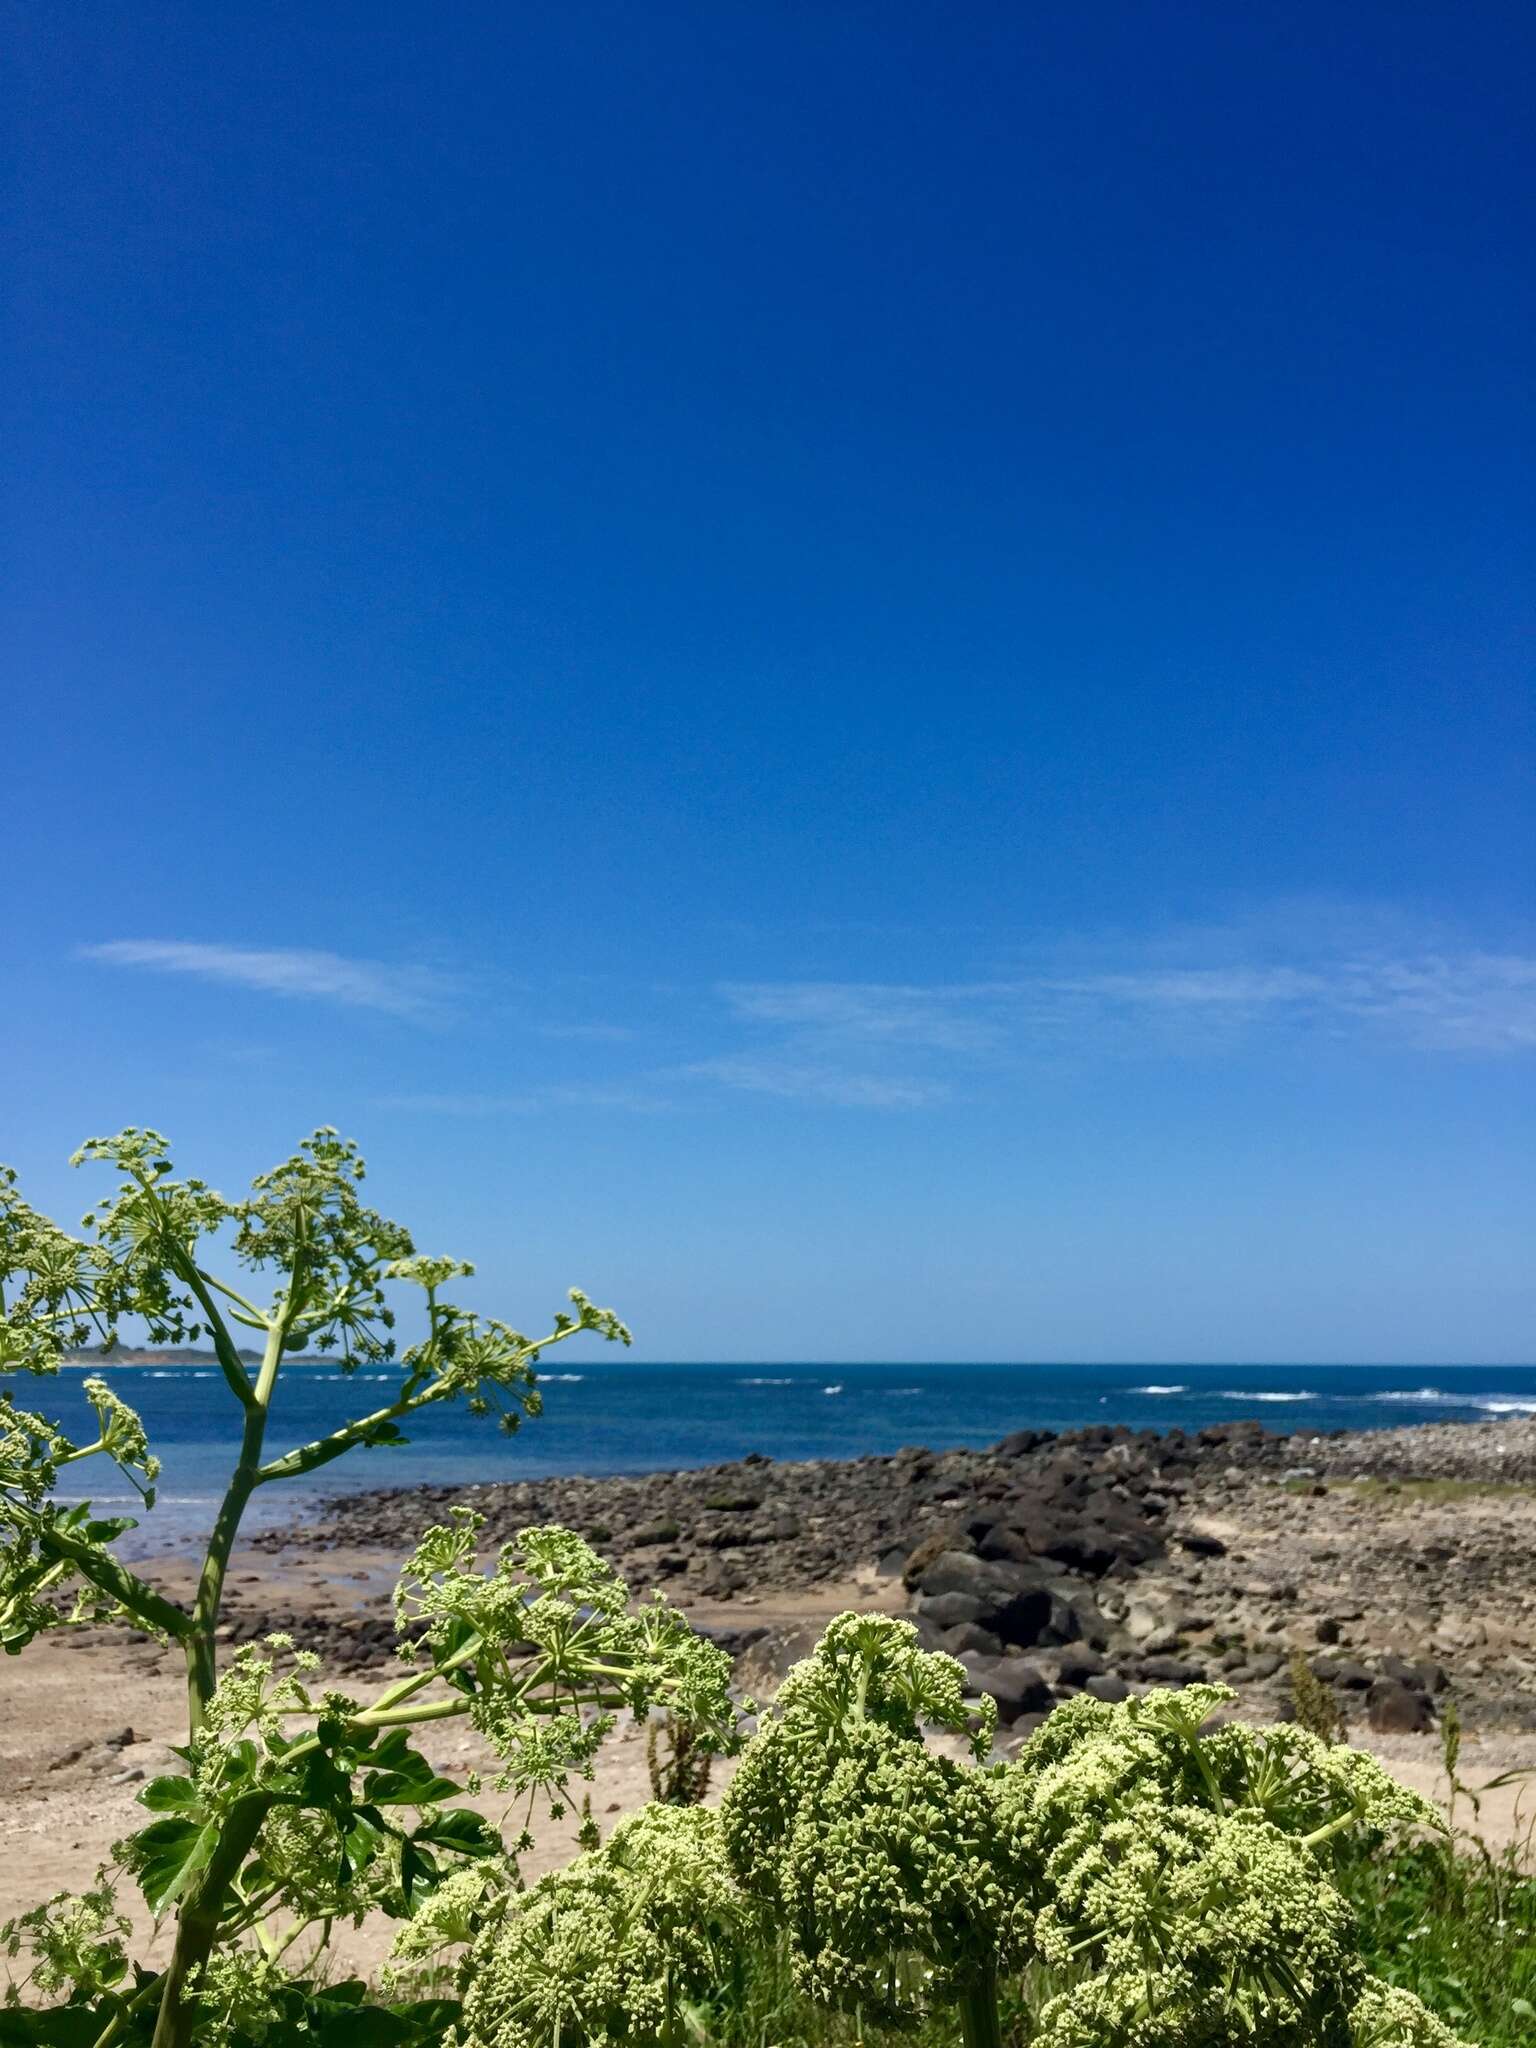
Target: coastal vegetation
x=1141, y=1873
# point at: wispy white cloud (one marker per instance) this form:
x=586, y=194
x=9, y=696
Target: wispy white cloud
x=939, y=1018
x=838, y=1086
x=1176, y=995
x=1470, y=1002
x=640, y=1099
x=595, y=1034
x=284, y=971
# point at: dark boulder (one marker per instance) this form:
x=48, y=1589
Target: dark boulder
x=1079, y=1663
x=1002, y=1545
x=1013, y=1682
x=961, y=1571
x=1171, y=1671
x=1022, y=1442
x=1393, y=1709
x=948, y=1610
x=1343, y=1672
x=1417, y=1677
x=1109, y=1687
x=969, y=1637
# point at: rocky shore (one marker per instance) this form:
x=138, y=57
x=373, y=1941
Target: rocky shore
x=1401, y=1565
x=1398, y=1563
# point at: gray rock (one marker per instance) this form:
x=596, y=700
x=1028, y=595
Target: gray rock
x=1392, y=1709
x=1078, y=1664
x=1109, y=1687
x=1013, y=1682
x=948, y=1610
x=1172, y=1671
x=968, y=1636
x=1343, y=1672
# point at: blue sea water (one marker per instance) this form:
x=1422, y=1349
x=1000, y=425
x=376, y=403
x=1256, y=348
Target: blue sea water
x=606, y=1415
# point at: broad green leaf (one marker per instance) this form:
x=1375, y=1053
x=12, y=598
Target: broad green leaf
x=463, y=1830
x=406, y=1779
x=171, y=1795
x=168, y=1854
x=62, y=2026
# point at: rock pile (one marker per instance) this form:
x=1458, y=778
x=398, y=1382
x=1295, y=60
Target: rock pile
x=1100, y=1561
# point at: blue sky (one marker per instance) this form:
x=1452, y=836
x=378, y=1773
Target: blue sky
x=859, y=675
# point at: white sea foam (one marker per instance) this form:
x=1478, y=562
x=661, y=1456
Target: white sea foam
x=765, y=1383
x=573, y=1376
x=1159, y=1390
x=837, y=1388
x=1238, y=1394
x=1487, y=1404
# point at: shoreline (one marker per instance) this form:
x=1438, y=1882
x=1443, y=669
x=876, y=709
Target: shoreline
x=1402, y=1564
x=1389, y=1558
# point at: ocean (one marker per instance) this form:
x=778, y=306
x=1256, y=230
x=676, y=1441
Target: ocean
x=606, y=1415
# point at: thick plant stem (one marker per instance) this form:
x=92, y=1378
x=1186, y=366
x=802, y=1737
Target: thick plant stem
x=980, y=2025
x=202, y=1674
x=198, y=1923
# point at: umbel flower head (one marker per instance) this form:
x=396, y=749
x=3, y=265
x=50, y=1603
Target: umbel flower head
x=901, y=1886
x=885, y=1864
x=607, y=1949
x=1185, y=1879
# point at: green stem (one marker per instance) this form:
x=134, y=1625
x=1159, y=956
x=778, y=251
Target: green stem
x=125, y=2012
x=246, y=1312
x=180, y=1259
x=980, y=2025
x=81, y=1451
x=309, y=1457
x=202, y=1674
x=1326, y=1833
x=197, y=1925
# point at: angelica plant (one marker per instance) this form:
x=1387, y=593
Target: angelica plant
x=610, y=1949
x=299, y=1806
x=887, y=1865
x=1184, y=1894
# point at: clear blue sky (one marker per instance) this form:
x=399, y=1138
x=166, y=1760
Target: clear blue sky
x=858, y=674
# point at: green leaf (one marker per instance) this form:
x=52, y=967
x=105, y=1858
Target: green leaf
x=171, y=1795
x=338, y=2017
x=402, y=1788
x=407, y=1779
x=462, y=1830
x=168, y=1854
x=62, y=2026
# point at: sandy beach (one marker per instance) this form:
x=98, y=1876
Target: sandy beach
x=1401, y=1564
